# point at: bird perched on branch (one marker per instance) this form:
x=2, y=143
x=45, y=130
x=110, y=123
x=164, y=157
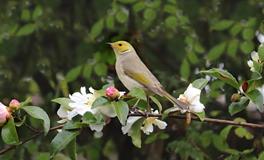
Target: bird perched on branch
x=133, y=73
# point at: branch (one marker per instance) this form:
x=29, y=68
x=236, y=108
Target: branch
x=143, y=114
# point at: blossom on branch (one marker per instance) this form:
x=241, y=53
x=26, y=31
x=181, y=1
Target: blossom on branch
x=4, y=114
x=255, y=59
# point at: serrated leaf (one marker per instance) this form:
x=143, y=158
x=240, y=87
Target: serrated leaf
x=9, y=133
x=216, y=51
x=122, y=110
x=185, y=69
x=61, y=140
x=222, y=25
x=136, y=132
x=73, y=73
x=156, y=101
x=223, y=76
x=236, y=107
x=138, y=93
x=26, y=29
x=200, y=83
x=256, y=97
x=63, y=101
x=38, y=113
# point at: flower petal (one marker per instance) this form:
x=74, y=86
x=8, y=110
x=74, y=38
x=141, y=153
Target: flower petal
x=147, y=128
x=160, y=124
x=130, y=121
x=96, y=127
x=62, y=112
x=192, y=93
x=255, y=56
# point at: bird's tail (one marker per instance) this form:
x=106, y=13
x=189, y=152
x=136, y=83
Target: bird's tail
x=176, y=102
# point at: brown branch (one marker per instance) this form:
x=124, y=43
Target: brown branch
x=143, y=114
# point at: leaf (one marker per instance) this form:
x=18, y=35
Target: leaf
x=100, y=101
x=26, y=102
x=138, y=93
x=87, y=71
x=72, y=149
x=193, y=57
x=37, y=12
x=127, y=1
x=97, y=29
x=261, y=52
x=73, y=73
x=232, y=47
x=100, y=69
x=122, y=16
x=61, y=140
x=110, y=22
x=38, y=113
x=225, y=132
x=9, y=133
x=235, y=29
x=25, y=16
x=63, y=101
x=156, y=101
x=248, y=34
x=139, y=6
x=200, y=115
x=149, y=14
x=261, y=156
x=242, y=132
x=223, y=76
x=70, y=125
x=256, y=97
x=122, y=110
x=136, y=132
x=171, y=22
x=216, y=51
x=236, y=107
x=221, y=25
x=26, y=29
x=185, y=69
x=247, y=46
x=200, y=83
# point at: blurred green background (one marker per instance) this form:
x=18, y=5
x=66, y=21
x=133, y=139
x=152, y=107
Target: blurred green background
x=50, y=48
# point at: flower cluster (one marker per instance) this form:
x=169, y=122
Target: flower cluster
x=5, y=112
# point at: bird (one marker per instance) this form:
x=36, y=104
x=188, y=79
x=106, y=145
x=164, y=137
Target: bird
x=133, y=73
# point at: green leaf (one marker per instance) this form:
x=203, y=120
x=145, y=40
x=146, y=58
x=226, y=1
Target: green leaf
x=221, y=25
x=242, y=132
x=171, y=22
x=247, y=47
x=38, y=113
x=261, y=156
x=37, y=12
x=100, y=101
x=26, y=29
x=200, y=83
x=156, y=101
x=216, y=51
x=122, y=16
x=70, y=125
x=235, y=29
x=136, y=132
x=248, y=34
x=223, y=76
x=26, y=102
x=100, y=69
x=236, y=107
x=139, y=6
x=232, y=47
x=73, y=73
x=25, y=16
x=127, y=1
x=185, y=69
x=87, y=71
x=149, y=14
x=61, y=140
x=170, y=9
x=72, y=149
x=256, y=97
x=122, y=110
x=110, y=22
x=200, y=115
x=9, y=133
x=261, y=52
x=63, y=101
x=138, y=93
x=97, y=29
x=193, y=57
x=225, y=132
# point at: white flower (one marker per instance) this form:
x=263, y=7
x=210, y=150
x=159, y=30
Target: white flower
x=255, y=58
x=192, y=97
x=260, y=37
x=147, y=126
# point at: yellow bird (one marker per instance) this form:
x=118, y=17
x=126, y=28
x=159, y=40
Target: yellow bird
x=133, y=73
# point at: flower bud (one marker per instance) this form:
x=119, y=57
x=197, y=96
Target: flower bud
x=112, y=93
x=4, y=114
x=14, y=104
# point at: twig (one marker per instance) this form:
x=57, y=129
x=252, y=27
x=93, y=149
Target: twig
x=143, y=114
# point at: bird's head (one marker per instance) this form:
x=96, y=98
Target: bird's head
x=121, y=47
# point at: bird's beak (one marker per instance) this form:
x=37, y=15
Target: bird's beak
x=109, y=43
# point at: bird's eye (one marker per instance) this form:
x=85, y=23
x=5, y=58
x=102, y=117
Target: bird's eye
x=120, y=44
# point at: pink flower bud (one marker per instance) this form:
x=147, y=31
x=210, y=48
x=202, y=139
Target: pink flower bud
x=112, y=93
x=14, y=104
x=4, y=114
